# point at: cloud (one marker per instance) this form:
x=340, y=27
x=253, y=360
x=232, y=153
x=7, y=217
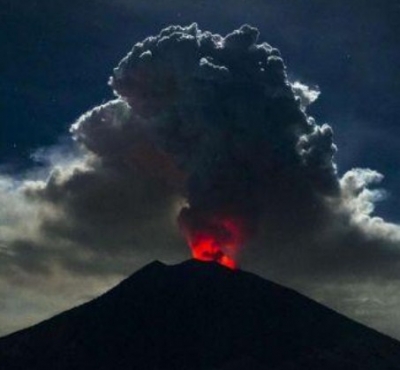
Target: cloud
x=223, y=108
x=209, y=125
x=306, y=94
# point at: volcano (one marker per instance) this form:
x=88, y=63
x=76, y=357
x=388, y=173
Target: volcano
x=198, y=315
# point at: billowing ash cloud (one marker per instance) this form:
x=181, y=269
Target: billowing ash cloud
x=223, y=111
x=203, y=128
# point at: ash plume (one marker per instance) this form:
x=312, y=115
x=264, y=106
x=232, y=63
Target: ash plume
x=222, y=109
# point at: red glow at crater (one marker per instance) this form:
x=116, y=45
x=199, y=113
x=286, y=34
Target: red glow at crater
x=206, y=248
x=215, y=239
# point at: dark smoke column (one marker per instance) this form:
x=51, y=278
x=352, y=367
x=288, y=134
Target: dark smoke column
x=223, y=113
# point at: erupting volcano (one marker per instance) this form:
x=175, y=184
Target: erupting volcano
x=213, y=238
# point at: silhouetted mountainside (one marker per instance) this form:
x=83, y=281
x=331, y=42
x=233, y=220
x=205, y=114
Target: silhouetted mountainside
x=198, y=315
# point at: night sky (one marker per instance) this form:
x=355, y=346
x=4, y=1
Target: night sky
x=56, y=61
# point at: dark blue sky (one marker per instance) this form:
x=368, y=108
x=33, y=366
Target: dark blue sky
x=57, y=56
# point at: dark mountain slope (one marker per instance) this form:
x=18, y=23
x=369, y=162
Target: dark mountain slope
x=198, y=315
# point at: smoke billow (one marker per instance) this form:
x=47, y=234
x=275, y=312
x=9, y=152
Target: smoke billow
x=223, y=111
x=206, y=132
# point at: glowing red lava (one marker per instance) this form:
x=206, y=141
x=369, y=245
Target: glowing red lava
x=206, y=248
x=218, y=239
